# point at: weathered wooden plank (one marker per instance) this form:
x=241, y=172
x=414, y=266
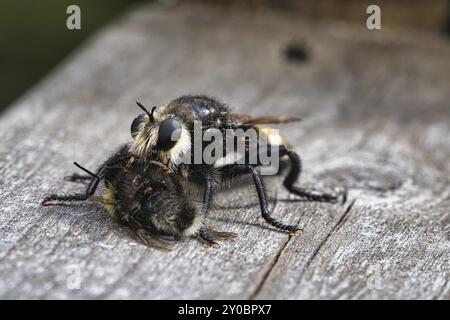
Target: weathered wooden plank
x=376, y=118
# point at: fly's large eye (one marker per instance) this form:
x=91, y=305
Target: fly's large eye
x=136, y=124
x=169, y=133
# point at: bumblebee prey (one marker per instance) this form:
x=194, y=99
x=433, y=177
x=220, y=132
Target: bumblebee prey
x=148, y=180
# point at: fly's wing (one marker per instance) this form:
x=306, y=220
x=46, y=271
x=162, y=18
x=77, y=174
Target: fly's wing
x=243, y=121
x=249, y=121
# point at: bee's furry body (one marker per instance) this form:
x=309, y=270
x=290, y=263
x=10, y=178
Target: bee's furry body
x=150, y=188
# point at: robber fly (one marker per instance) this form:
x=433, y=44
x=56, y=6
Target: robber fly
x=148, y=182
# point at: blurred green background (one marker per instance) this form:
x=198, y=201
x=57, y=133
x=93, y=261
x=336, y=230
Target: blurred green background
x=34, y=37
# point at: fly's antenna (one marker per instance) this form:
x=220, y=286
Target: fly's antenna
x=150, y=114
x=86, y=170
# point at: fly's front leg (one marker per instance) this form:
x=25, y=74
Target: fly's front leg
x=207, y=195
x=208, y=241
x=203, y=234
x=207, y=235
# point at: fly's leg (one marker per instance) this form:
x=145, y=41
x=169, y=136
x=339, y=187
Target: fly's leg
x=203, y=234
x=207, y=235
x=207, y=239
x=75, y=177
x=309, y=195
x=237, y=169
x=92, y=186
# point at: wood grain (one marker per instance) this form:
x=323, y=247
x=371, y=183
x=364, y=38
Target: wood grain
x=376, y=116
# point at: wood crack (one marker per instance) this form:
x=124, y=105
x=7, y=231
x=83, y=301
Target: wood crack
x=273, y=263
x=266, y=275
x=336, y=226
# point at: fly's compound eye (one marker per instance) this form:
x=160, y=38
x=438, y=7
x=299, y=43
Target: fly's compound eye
x=136, y=124
x=169, y=133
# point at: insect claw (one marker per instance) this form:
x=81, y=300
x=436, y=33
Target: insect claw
x=48, y=201
x=207, y=241
x=213, y=245
x=296, y=233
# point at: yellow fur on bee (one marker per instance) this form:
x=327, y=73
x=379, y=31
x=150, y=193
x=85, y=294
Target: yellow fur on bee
x=109, y=200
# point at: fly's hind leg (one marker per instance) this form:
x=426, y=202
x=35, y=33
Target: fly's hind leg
x=309, y=195
x=77, y=196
